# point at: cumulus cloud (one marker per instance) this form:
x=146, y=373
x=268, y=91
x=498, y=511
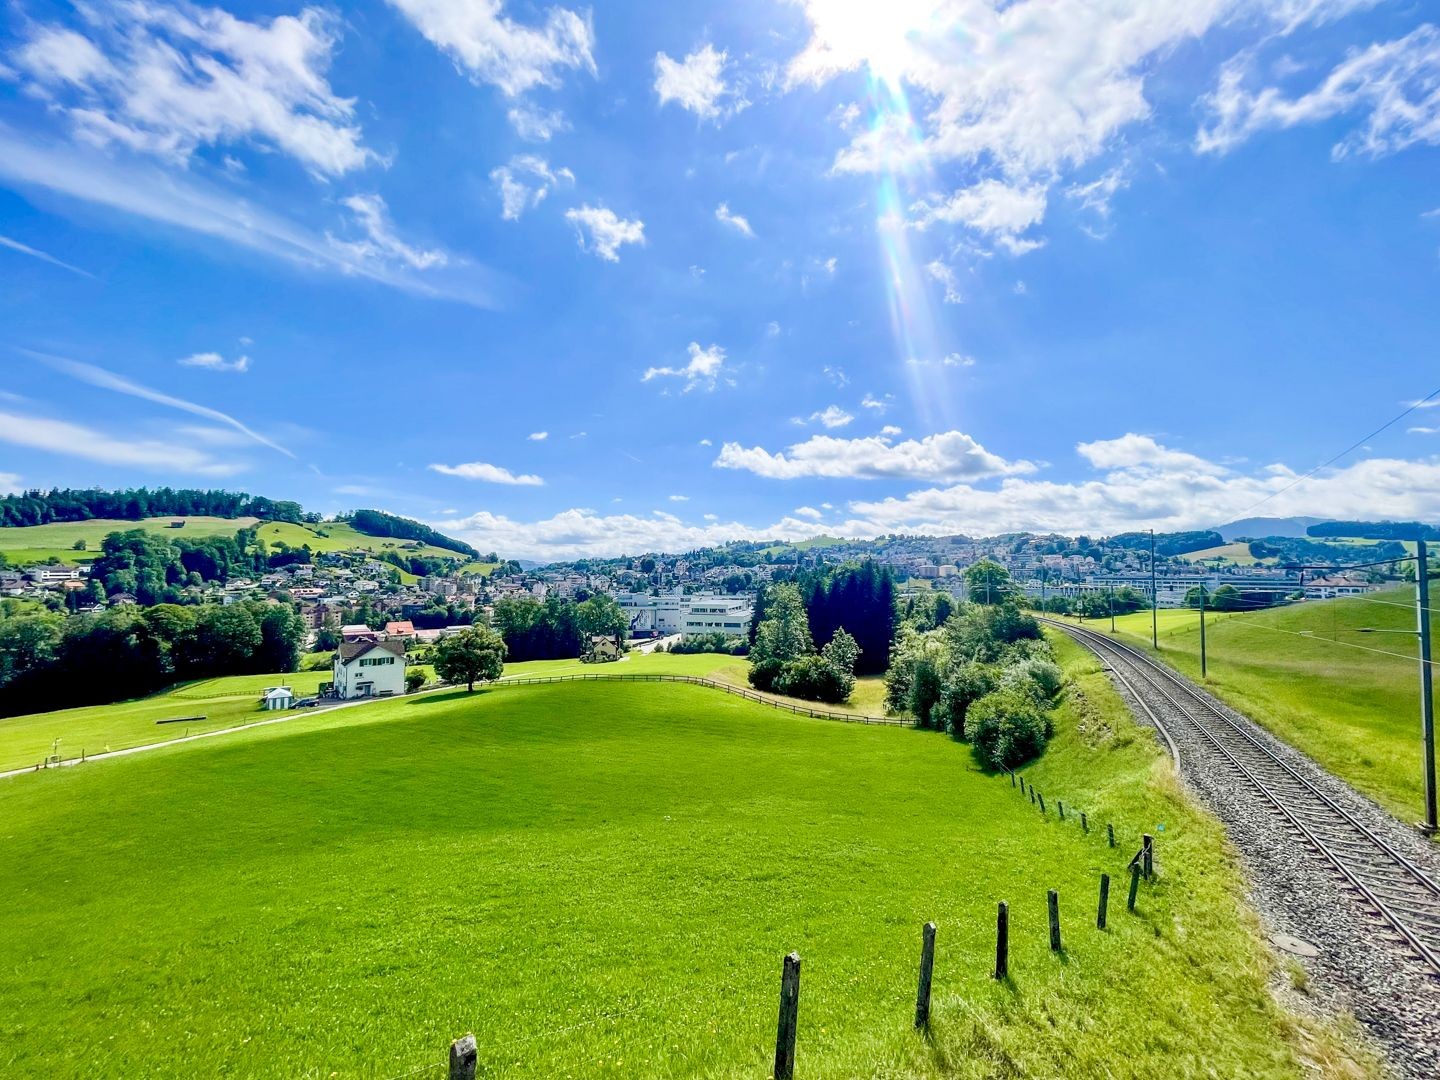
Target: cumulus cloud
x=495, y=49
x=538, y=436
x=999, y=211
x=213, y=361
x=949, y=454
x=697, y=83
x=702, y=371
x=1394, y=86
x=601, y=232
x=879, y=405
x=524, y=182
x=167, y=80
x=740, y=224
x=832, y=416
x=490, y=474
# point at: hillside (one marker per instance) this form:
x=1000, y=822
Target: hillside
x=600, y=880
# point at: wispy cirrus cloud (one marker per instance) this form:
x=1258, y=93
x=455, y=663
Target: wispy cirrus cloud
x=71, y=439
x=43, y=256
x=213, y=361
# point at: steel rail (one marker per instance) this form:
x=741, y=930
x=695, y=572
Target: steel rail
x=1148, y=669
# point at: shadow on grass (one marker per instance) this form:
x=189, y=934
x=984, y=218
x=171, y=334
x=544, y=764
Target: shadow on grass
x=450, y=696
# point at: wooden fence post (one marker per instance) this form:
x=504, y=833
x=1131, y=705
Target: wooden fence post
x=1061, y=807
x=1002, y=941
x=1032, y=794
x=1104, y=900
x=1054, y=899
x=1110, y=833
x=1042, y=804
x=789, y=1014
x=1149, y=851
x=1084, y=822
x=927, y=969
x=1012, y=778
x=463, y=1056
x=1134, y=885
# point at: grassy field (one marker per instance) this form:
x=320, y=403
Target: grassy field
x=1238, y=554
x=211, y=704
x=1298, y=671
x=36, y=543
x=600, y=880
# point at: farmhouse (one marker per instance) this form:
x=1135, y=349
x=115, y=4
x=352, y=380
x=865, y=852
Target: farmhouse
x=369, y=669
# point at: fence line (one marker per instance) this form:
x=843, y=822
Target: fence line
x=697, y=680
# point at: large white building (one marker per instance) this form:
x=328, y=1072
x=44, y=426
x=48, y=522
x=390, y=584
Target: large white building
x=677, y=613
x=369, y=669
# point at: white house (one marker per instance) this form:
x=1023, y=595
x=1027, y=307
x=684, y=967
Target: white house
x=369, y=669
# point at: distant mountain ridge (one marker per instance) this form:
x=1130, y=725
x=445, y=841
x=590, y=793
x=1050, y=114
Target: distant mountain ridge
x=1258, y=527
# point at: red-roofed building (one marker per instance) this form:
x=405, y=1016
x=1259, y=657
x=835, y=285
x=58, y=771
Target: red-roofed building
x=403, y=630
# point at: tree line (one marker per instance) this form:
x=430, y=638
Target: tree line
x=47, y=662
x=557, y=628
x=37, y=507
x=379, y=523
x=859, y=598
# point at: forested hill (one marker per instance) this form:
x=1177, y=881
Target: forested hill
x=66, y=505
x=379, y=523
x=134, y=504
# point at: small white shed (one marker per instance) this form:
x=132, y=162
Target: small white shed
x=279, y=697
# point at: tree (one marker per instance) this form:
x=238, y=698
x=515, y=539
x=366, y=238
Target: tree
x=987, y=582
x=967, y=684
x=1226, y=598
x=783, y=637
x=602, y=616
x=470, y=656
x=282, y=632
x=414, y=680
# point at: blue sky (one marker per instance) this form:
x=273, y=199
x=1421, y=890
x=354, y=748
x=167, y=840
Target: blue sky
x=570, y=280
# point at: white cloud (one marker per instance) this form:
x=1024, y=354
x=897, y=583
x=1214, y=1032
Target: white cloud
x=870, y=401
x=495, y=49
x=168, y=80
x=706, y=442
x=381, y=242
x=836, y=374
x=121, y=451
x=524, y=182
x=734, y=221
x=188, y=202
x=772, y=329
x=890, y=430
x=490, y=474
x=1142, y=452
x=808, y=512
x=537, y=125
x=679, y=498
x=1001, y=212
x=107, y=380
x=538, y=436
x=213, y=361
x=950, y=360
x=1394, y=84
x=697, y=83
x=1096, y=195
x=832, y=416
x=606, y=231
x=947, y=454
x=9, y=483
x=36, y=253
x=946, y=276
x=702, y=371
x=1422, y=430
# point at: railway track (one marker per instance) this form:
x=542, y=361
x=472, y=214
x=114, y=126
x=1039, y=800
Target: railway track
x=1395, y=890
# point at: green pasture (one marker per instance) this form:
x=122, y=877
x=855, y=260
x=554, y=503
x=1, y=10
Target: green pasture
x=37, y=543
x=1349, y=700
x=1238, y=554
x=600, y=880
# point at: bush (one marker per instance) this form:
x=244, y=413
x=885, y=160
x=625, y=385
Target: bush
x=763, y=673
x=414, y=680
x=718, y=642
x=1008, y=728
x=1039, y=678
x=815, y=679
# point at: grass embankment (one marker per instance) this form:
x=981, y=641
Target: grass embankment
x=600, y=880
x=1294, y=670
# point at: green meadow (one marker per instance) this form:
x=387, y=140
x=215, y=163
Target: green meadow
x=600, y=879
x=1348, y=699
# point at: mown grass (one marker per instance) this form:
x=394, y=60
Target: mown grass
x=600, y=880
x=1297, y=671
x=37, y=543
x=211, y=704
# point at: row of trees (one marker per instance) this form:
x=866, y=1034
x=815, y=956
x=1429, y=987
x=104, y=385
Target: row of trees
x=783, y=657
x=379, y=523
x=558, y=628
x=986, y=676
x=38, y=507
x=47, y=662
x=154, y=568
x=860, y=598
